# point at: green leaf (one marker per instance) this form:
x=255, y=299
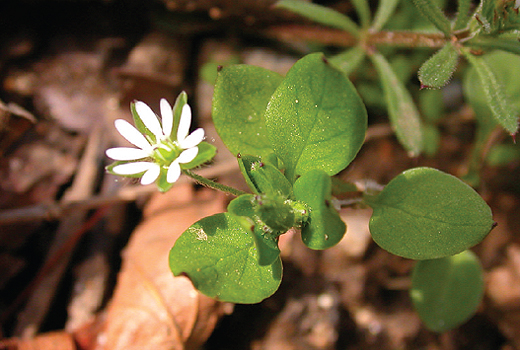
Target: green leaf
x=324, y=227
x=363, y=11
x=383, y=13
x=266, y=242
x=431, y=139
x=221, y=260
x=446, y=292
x=206, y=153
x=424, y=213
x=463, y=14
x=320, y=14
x=509, y=44
x=503, y=110
x=239, y=101
x=430, y=10
x=348, y=60
x=502, y=155
x=315, y=118
x=263, y=177
x=403, y=113
x=438, y=69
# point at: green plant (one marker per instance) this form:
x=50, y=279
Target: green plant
x=292, y=134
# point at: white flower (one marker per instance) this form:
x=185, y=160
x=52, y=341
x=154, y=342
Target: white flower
x=149, y=157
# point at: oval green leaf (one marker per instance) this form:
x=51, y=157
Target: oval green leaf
x=424, y=213
x=446, y=292
x=315, y=118
x=324, y=228
x=239, y=101
x=404, y=116
x=221, y=260
x=438, y=69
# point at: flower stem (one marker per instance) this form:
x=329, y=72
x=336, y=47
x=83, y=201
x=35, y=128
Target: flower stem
x=212, y=184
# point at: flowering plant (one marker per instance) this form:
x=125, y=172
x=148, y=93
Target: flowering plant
x=160, y=156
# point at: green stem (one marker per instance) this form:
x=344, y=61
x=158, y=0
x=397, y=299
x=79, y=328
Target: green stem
x=212, y=184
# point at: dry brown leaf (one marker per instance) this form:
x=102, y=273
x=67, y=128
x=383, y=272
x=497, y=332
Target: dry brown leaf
x=152, y=309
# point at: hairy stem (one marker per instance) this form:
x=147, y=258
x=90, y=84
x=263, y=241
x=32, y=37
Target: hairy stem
x=337, y=37
x=212, y=184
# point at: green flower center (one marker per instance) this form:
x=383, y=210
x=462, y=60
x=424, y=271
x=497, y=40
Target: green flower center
x=165, y=152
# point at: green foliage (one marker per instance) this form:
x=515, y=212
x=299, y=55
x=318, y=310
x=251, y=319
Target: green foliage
x=315, y=119
x=433, y=13
x=438, y=70
x=424, y=213
x=292, y=133
x=241, y=96
x=320, y=14
x=324, y=228
x=221, y=260
x=504, y=112
x=384, y=11
x=446, y=292
x=404, y=115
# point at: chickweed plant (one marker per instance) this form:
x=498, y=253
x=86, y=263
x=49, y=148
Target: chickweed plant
x=291, y=134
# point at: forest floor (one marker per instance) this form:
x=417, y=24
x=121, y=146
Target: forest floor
x=83, y=254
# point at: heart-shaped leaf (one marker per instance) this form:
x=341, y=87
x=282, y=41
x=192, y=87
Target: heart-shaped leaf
x=324, y=227
x=239, y=101
x=446, y=292
x=315, y=118
x=221, y=260
x=424, y=213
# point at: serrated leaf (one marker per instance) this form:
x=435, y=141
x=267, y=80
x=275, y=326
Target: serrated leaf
x=502, y=109
x=437, y=71
x=424, y=213
x=324, y=227
x=221, y=260
x=446, y=292
x=315, y=119
x=320, y=14
x=348, y=60
x=433, y=13
x=384, y=11
x=239, y=101
x=403, y=113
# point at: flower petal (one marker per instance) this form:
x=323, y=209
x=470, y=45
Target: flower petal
x=167, y=117
x=129, y=132
x=174, y=172
x=187, y=155
x=193, y=139
x=149, y=118
x=184, y=123
x=151, y=175
x=126, y=153
x=132, y=168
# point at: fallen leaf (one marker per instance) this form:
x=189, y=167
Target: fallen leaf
x=152, y=309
